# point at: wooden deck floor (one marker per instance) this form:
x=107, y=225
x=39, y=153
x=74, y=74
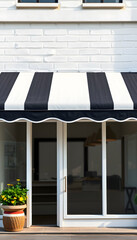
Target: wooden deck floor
x=75, y=230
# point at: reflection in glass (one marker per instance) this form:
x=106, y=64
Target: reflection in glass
x=122, y=168
x=27, y=1
x=44, y=185
x=12, y=153
x=84, y=169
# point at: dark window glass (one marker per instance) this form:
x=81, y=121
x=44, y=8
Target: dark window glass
x=27, y=1
x=84, y=169
x=48, y=1
x=12, y=154
x=44, y=178
x=38, y=1
x=121, y=167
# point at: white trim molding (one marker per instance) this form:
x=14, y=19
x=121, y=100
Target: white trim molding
x=68, y=16
x=103, y=5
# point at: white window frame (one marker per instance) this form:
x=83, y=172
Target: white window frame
x=104, y=5
x=104, y=214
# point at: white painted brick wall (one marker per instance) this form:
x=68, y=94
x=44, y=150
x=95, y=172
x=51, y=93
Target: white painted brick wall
x=68, y=47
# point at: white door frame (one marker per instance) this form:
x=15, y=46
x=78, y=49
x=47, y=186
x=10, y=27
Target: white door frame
x=60, y=167
x=60, y=157
x=29, y=172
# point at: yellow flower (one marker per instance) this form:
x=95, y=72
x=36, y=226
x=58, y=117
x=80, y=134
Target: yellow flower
x=4, y=198
x=18, y=180
x=8, y=184
x=21, y=199
x=12, y=202
x=11, y=185
x=15, y=198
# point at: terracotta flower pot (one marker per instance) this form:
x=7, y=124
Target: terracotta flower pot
x=13, y=217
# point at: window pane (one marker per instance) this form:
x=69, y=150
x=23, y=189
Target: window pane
x=44, y=178
x=38, y=1
x=84, y=169
x=12, y=153
x=48, y=1
x=28, y=1
x=121, y=167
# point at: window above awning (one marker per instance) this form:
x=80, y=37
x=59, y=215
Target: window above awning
x=68, y=96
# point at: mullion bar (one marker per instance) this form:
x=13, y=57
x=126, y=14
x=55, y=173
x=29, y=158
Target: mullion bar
x=29, y=172
x=104, y=171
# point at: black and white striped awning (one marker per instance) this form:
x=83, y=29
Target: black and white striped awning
x=68, y=96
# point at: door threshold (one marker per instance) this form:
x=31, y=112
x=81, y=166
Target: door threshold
x=73, y=230
x=44, y=226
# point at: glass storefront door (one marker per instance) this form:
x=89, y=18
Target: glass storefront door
x=101, y=171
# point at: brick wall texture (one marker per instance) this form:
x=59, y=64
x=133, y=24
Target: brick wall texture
x=68, y=47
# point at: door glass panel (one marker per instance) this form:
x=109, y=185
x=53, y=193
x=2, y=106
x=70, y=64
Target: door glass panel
x=121, y=167
x=12, y=154
x=84, y=169
x=44, y=185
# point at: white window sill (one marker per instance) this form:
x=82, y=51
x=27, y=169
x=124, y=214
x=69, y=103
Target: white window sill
x=37, y=5
x=103, y=5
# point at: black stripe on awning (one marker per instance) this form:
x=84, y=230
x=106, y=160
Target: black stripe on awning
x=99, y=92
x=38, y=94
x=131, y=83
x=7, y=81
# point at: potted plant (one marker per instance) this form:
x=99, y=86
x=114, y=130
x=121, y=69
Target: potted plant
x=13, y=200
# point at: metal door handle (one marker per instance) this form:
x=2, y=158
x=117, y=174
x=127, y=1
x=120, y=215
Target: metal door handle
x=65, y=183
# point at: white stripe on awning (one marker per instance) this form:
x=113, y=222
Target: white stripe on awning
x=69, y=91
x=18, y=94
x=121, y=97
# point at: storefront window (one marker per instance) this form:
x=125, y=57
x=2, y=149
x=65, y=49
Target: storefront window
x=84, y=169
x=12, y=153
x=121, y=167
